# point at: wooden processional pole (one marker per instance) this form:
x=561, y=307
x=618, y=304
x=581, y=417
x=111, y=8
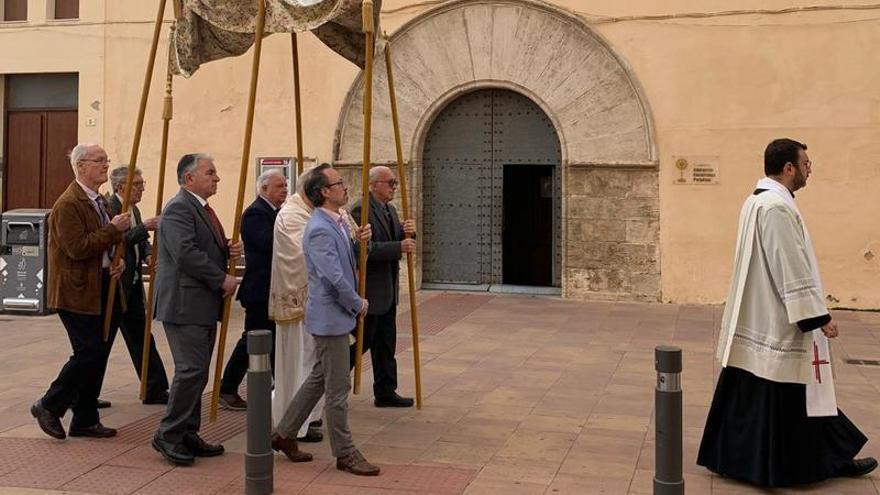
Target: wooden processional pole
x=294, y=48
x=242, y=182
x=404, y=199
x=132, y=162
x=365, y=180
x=167, y=115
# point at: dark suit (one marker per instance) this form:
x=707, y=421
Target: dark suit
x=132, y=322
x=79, y=238
x=383, y=288
x=189, y=302
x=257, y=231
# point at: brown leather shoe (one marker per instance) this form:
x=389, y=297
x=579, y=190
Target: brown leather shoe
x=288, y=447
x=355, y=463
x=48, y=422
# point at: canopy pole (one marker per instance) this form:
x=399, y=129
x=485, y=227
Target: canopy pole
x=132, y=162
x=294, y=47
x=167, y=115
x=365, y=181
x=404, y=199
x=239, y=205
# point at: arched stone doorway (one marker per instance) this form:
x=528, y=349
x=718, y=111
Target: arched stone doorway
x=608, y=163
x=491, y=185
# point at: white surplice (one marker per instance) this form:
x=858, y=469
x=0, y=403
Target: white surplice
x=775, y=284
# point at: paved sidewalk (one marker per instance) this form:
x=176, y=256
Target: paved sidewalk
x=522, y=395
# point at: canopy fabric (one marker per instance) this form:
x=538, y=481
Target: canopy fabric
x=210, y=30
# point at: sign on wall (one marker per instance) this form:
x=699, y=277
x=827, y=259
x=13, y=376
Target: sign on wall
x=287, y=165
x=696, y=170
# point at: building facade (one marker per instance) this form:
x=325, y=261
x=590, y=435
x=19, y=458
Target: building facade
x=597, y=150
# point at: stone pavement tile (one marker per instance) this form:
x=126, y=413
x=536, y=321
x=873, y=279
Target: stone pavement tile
x=570, y=484
x=494, y=411
x=382, y=454
x=525, y=470
x=143, y=457
x=287, y=472
x=574, y=403
x=620, y=446
x=43, y=473
x=113, y=480
x=618, y=422
x=591, y=464
x=482, y=486
x=185, y=482
x=226, y=466
x=414, y=478
x=321, y=489
x=538, y=445
x=480, y=431
x=409, y=435
x=514, y=395
x=552, y=423
x=473, y=456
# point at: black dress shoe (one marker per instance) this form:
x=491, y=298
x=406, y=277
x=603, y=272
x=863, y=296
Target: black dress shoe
x=313, y=435
x=97, y=430
x=201, y=448
x=316, y=424
x=175, y=454
x=393, y=400
x=103, y=404
x=152, y=400
x=49, y=423
x=858, y=467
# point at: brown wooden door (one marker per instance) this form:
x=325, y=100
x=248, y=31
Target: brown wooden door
x=60, y=139
x=37, y=167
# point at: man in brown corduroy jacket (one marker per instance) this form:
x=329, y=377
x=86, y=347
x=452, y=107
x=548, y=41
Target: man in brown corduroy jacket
x=81, y=239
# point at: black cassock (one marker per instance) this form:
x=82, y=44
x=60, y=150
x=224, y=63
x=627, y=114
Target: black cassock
x=758, y=431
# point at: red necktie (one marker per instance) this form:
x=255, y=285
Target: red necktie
x=216, y=226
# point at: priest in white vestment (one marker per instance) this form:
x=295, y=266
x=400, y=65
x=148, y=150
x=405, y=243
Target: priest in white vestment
x=774, y=419
x=294, y=347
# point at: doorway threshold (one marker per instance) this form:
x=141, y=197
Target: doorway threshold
x=495, y=288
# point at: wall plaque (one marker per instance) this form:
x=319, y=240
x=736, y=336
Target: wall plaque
x=696, y=170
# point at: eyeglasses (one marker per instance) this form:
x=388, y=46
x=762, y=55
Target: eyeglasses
x=100, y=160
x=392, y=183
x=139, y=185
x=340, y=182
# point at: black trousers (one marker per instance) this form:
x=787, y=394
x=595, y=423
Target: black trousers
x=79, y=382
x=256, y=317
x=380, y=338
x=132, y=324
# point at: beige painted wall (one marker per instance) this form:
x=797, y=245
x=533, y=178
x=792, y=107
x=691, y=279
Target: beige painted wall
x=720, y=86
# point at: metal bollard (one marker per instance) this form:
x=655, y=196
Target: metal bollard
x=668, y=478
x=259, y=460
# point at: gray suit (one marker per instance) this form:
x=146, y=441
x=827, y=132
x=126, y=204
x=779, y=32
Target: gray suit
x=191, y=270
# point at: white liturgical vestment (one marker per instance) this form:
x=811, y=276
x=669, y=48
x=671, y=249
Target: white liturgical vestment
x=775, y=284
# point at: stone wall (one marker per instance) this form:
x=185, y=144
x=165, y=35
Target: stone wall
x=612, y=234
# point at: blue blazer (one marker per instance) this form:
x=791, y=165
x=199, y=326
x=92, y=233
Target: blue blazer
x=333, y=302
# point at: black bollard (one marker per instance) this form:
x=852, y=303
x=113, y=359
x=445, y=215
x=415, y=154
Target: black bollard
x=259, y=460
x=668, y=478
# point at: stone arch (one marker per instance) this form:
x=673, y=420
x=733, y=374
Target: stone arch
x=553, y=57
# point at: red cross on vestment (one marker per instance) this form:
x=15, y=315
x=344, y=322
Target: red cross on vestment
x=817, y=362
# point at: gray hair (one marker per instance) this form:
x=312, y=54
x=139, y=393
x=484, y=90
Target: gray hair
x=263, y=179
x=375, y=171
x=119, y=175
x=78, y=152
x=188, y=163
